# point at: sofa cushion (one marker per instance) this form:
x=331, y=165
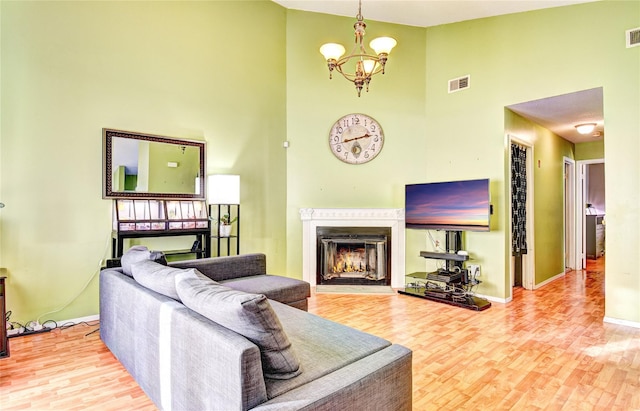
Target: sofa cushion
x=160, y=278
x=227, y=267
x=274, y=287
x=140, y=253
x=247, y=314
x=322, y=346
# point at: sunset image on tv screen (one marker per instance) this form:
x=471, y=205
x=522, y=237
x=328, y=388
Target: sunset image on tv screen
x=455, y=205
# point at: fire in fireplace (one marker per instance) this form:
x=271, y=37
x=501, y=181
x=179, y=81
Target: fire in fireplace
x=353, y=255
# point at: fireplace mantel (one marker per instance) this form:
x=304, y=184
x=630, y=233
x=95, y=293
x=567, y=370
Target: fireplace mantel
x=312, y=218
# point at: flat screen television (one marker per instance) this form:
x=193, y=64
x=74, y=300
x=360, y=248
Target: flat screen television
x=452, y=205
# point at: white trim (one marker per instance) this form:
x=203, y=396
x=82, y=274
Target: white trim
x=75, y=321
x=581, y=253
x=495, y=299
x=610, y=320
x=547, y=281
x=528, y=260
x=569, y=207
x=312, y=218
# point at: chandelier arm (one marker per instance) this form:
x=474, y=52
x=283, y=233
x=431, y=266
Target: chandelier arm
x=343, y=60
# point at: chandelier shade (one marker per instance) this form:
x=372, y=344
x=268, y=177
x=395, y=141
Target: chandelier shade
x=383, y=45
x=360, y=65
x=332, y=51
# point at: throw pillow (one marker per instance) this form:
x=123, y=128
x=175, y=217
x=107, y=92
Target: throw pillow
x=250, y=315
x=140, y=253
x=160, y=278
x=132, y=256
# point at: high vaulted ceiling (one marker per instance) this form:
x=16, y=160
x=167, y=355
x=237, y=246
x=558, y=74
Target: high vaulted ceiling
x=423, y=13
x=559, y=114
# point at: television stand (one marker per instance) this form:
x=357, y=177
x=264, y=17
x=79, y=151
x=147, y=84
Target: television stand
x=451, y=285
x=449, y=292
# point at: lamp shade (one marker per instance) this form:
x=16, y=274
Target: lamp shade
x=223, y=189
x=383, y=44
x=332, y=51
x=369, y=66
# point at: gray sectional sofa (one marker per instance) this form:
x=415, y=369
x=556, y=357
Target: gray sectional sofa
x=220, y=334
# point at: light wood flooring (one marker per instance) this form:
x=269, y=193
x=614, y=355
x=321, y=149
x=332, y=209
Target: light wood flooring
x=546, y=350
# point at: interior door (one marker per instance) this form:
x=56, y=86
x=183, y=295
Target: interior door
x=581, y=219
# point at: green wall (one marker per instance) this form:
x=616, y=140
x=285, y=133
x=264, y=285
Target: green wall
x=182, y=69
x=529, y=56
x=175, y=68
x=589, y=151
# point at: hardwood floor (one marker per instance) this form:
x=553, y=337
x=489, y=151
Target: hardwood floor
x=546, y=350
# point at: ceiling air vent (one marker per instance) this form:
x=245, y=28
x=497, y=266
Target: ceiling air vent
x=459, y=83
x=633, y=37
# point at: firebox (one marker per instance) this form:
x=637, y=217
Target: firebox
x=353, y=255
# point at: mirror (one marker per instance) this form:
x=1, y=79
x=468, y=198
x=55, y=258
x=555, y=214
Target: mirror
x=146, y=166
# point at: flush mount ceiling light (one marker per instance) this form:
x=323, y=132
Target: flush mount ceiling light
x=585, y=128
x=363, y=65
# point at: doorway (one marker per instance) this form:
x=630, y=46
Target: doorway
x=559, y=115
x=590, y=211
x=522, y=270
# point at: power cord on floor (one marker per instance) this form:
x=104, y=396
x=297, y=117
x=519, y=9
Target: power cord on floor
x=16, y=329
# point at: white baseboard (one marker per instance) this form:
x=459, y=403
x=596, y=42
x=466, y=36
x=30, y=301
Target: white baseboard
x=621, y=322
x=79, y=320
x=545, y=282
x=494, y=299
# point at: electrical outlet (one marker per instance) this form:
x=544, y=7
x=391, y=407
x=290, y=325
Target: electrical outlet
x=474, y=271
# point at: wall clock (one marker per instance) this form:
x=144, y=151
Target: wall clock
x=356, y=138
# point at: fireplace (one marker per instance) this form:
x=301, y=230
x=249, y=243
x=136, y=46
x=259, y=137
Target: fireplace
x=367, y=221
x=353, y=255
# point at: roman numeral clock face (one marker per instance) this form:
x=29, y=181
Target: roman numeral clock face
x=356, y=138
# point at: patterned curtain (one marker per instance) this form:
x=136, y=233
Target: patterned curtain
x=518, y=199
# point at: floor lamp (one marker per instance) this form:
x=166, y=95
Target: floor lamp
x=223, y=190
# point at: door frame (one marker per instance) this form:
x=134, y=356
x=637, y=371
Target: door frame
x=528, y=260
x=570, y=210
x=581, y=219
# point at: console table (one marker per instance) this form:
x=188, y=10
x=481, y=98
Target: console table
x=202, y=236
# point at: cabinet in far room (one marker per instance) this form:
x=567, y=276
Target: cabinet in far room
x=595, y=236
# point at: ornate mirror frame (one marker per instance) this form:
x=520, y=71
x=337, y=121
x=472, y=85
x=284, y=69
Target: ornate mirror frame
x=108, y=136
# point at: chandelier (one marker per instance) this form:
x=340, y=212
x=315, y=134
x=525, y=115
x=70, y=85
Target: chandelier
x=363, y=65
